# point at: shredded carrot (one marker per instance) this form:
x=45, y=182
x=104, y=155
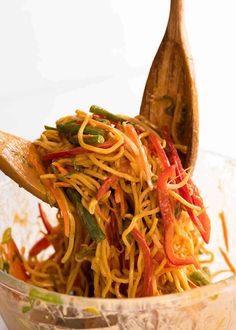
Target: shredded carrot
x=119, y=199
x=122, y=201
x=192, y=285
x=117, y=195
x=61, y=169
x=101, y=214
x=61, y=185
x=59, y=196
x=228, y=262
x=225, y=230
x=106, y=185
x=17, y=268
x=44, y=218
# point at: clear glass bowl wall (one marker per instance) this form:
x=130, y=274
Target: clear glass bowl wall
x=211, y=307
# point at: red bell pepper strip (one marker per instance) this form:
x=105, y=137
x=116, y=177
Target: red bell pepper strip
x=106, y=185
x=75, y=151
x=203, y=216
x=168, y=219
x=39, y=246
x=44, y=218
x=202, y=221
x=159, y=151
x=148, y=272
x=65, y=153
x=13, y=256
x=43, y=243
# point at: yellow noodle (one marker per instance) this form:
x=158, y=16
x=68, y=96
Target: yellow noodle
x=118, y=279
x=133, y=224
x=71, y=239
x=111, y=170
x=72, y=277
x=50, y=264
x=131, y=271
x=94, y=172
x=112, y=158
x=183, y=201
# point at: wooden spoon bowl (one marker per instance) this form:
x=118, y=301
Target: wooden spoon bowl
x=20, y=161
x=170, y=97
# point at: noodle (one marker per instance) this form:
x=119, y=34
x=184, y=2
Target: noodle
x=124, y=228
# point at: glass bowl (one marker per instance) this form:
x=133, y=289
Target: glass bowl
x=211, y=307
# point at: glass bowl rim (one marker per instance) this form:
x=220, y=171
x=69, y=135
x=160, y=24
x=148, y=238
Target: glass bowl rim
x=208, y=291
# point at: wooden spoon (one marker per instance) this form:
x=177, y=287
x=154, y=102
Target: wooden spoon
x=20, y=161
x=170, y=97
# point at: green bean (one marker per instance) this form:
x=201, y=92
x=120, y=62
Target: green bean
x=6, y=237
x=198, y=278
x=89, y=139
x=88, y=219
x=50, y=128
x=106, y=114
x=73, y=128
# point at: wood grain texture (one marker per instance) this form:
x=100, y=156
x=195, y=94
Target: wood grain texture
x=170, y=96
x=20, y=161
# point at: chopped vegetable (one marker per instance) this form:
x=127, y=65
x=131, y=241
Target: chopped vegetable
x=88, y=219
x=50, y=128
x=198, y=278
x=39, y=246
x=44, y=218
x=227, y=261
x=148, y=272
x=65, y=211
x=93, y=139
x=106, y=185
x=73, y=128
x=168, y=219
x=160, y=152
x=202, y=221
x=13, y=257
x=65, y=153
x=74, y=152
x=203, y=216
x=106, y=114
x=89, y=139
x=225, y=231
x=6, y=237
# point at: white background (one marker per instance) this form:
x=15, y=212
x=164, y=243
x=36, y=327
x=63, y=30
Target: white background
x=56, y=56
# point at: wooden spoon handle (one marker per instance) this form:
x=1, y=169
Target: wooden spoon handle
x=176, y=27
